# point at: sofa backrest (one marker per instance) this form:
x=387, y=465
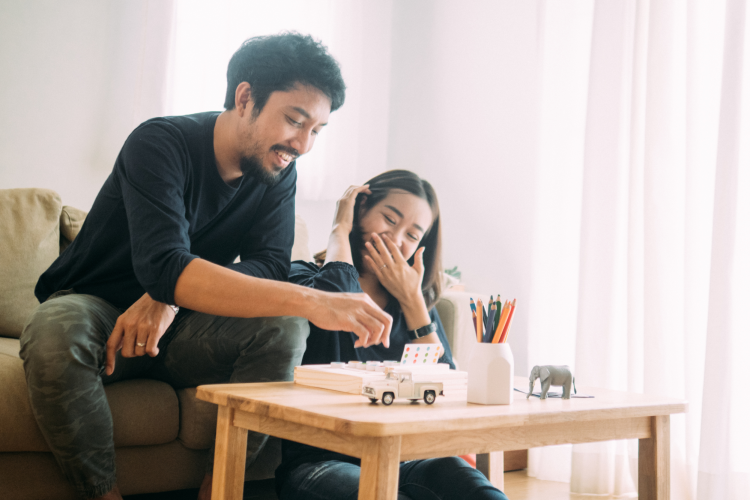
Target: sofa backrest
x=34, y=229
x=29, y=243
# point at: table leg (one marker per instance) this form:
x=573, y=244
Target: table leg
x=492, y=465
x=379, y=477
x=653, y=461
x=229, y=458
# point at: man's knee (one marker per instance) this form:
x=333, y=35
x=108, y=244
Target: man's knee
x=283, y=345
x=64, y=330
x=289, y=332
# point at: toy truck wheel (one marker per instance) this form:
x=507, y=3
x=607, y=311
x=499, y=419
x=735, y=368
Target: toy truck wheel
x=387, y=398
x=372, y=400
x=429, y=397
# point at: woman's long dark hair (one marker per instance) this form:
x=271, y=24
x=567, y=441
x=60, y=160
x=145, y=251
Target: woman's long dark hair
x=380, y=187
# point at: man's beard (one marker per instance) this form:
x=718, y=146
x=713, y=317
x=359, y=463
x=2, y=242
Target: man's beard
x=251, y=165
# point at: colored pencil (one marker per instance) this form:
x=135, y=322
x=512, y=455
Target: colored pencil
x=473, y=314
x=499, y=306
x=501, y=324
x=506, y=328
x=480, y=321
x=490, y=322
x=484, y=317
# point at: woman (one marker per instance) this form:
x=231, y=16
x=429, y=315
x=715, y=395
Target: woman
x=385, y=242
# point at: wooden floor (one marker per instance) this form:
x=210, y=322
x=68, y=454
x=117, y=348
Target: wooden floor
x=518, y=486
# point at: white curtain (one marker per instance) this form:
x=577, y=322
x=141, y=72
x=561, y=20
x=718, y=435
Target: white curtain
x=651, y=230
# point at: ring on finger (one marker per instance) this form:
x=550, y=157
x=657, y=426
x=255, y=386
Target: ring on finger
x=384, y=266
x=140, y=344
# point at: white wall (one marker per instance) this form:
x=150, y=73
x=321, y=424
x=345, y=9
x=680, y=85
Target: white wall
x=464, y=116
x=70, y=91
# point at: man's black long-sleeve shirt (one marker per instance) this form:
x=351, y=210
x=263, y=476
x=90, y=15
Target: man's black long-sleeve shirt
x=164, y=205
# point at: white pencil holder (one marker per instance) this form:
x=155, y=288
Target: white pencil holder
x=490, y=374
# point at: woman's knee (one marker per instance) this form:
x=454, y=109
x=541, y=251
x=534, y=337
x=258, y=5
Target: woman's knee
x=450, y=478
x=328, y=480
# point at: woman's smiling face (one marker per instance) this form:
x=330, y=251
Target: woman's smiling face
x=402, y=217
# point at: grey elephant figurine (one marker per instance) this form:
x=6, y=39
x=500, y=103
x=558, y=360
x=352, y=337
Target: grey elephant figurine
x=552, y=375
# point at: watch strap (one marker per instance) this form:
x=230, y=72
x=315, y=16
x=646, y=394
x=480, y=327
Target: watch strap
x=423, y=331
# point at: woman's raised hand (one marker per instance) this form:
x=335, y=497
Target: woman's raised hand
x=344, y=218
x=401, y=280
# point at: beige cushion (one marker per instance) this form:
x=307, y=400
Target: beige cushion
x=197, y=420
x=71, y=221
x=144, y=412
x=29, y=243
x=18, y=431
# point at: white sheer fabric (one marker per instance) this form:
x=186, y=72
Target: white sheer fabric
x=663, y=234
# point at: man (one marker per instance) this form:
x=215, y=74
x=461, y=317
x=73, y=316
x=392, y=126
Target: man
x=187, y=195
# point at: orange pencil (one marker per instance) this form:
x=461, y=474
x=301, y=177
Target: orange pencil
x=504, y=337
x=473, y=313
x=480, y=320
x=501, y=323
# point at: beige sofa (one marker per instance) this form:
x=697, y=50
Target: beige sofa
x=161, y=435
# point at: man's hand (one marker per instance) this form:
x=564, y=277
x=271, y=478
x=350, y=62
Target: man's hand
x=352, y=312
x=138, y=330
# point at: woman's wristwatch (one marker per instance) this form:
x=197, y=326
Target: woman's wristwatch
x=423, y=332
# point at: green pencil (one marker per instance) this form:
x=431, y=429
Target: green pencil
x=499, y=306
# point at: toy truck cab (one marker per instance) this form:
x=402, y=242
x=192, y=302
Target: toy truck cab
x=399, y=384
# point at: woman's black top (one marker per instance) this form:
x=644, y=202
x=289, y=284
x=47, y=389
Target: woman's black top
x=324, y=346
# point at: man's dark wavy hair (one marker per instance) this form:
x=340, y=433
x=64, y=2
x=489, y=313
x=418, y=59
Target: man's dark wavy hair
x=279, y=62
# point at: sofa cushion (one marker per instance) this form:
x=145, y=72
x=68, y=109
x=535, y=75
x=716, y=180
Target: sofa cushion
x=19, y=431
x=144, y=412
x=29, y=243
x=197, y=420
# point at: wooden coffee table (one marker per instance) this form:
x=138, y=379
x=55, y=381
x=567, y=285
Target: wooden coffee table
x=382, y=436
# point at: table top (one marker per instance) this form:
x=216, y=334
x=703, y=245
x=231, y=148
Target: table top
x=355, y=415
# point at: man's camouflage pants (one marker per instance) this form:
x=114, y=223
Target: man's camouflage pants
x=63, y=348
